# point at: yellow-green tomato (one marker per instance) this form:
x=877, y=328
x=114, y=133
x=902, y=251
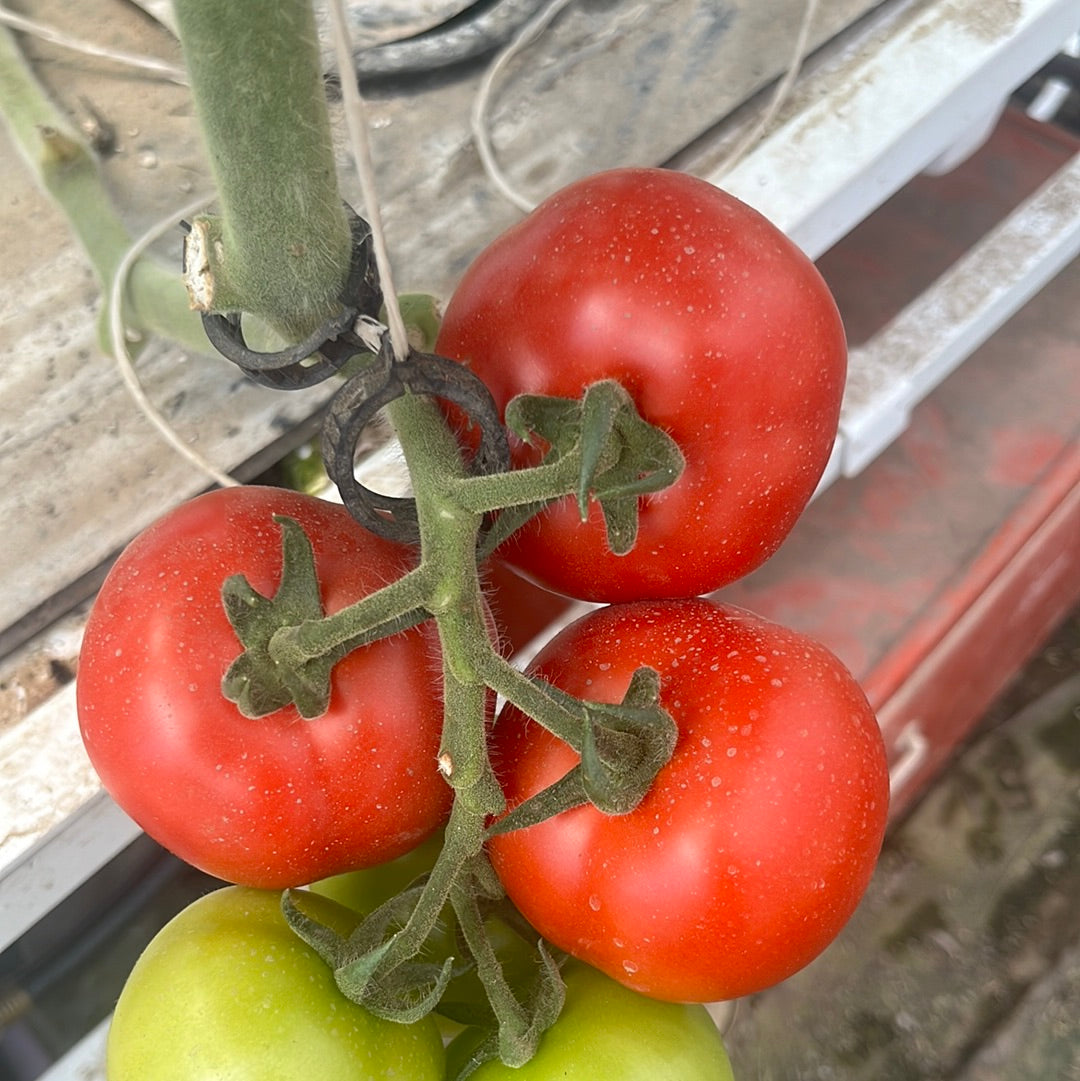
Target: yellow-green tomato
x=227, y=992
x=606, y=1032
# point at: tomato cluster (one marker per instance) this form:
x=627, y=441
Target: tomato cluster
x=758, y=834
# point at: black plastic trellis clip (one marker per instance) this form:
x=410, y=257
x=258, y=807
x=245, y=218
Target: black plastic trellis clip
x=328, y=348
x=383, y=381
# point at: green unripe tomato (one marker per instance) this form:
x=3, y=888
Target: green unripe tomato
x=606, y=1032
x=227, y=992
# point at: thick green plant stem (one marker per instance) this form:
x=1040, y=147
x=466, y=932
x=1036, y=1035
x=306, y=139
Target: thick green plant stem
x=67, y=169
x=280, y=248
x=448, y=536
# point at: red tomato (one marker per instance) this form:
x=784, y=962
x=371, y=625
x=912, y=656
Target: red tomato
x=277, y=801
x=757, y=839
x=719, y=327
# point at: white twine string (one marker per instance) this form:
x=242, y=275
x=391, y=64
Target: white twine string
x=780, y=94
x=356, y=122
x=124, y=362
x=481, y=111
x=480, y=119
x=89, y=48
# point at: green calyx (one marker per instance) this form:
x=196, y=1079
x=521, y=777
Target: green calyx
x=622, y=747
x=598, y=449
x=619, y=457
x=290, y=645
x=254, y=681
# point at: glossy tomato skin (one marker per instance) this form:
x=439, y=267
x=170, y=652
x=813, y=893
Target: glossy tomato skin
x=757, y=839
x=277, y=801
x=721, y=329
x=227, y=990
x=608, y=1033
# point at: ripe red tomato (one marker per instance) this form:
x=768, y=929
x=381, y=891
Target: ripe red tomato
x=757, y=839
x=277, y=801
x=720, y=328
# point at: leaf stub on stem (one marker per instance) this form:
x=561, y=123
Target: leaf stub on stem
x=284, y=244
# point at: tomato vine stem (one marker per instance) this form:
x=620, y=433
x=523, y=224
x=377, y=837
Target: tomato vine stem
x=536, y=699
x=280, y=246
